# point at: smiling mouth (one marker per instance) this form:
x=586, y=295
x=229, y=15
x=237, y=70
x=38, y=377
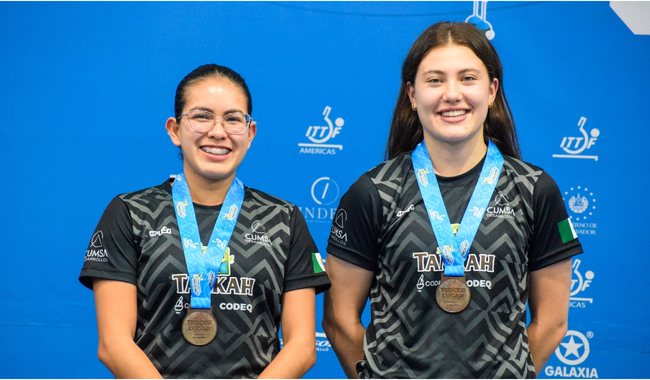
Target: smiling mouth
x=215, y=151
x=453, y=113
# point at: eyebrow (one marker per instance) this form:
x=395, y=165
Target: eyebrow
x=439, y=72
x=212, y=112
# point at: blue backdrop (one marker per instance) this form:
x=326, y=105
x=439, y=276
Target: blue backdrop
x=87, y=87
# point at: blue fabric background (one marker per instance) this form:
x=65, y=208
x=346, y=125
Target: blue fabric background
x=87, y=87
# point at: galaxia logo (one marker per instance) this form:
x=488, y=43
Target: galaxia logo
x=573, y=351
x=320, y=136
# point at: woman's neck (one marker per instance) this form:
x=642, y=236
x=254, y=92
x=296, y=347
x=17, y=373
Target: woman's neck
x=450, y=160
x=205, y=191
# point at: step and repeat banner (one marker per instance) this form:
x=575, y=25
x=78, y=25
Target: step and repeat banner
x=87, y=87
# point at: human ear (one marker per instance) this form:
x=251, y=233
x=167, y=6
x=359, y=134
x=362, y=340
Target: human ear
x=252, y=131
x=173, y=130
x=494, y=88
x=410, y=91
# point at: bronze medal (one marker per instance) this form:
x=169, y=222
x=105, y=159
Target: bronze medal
x=199, y=326
x=453, y=294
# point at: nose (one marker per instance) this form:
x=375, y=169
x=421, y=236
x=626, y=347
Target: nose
x=218, y=131
x=452, y=91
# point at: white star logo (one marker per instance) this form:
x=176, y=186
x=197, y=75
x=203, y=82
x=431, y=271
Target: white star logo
x=576, y=344
x=571, y=348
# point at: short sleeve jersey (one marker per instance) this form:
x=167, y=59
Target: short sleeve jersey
x=270, y=253
x=382, y=225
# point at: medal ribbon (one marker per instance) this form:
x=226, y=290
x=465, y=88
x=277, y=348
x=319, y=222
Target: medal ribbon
x=454, y=248
x=203, y=267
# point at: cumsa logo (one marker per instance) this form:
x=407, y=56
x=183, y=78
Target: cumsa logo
x=501, y=209
x=337, y=232
x=96, y=251
x=257, y=234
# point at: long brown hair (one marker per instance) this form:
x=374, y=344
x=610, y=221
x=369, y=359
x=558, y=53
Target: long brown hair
x=406, y=130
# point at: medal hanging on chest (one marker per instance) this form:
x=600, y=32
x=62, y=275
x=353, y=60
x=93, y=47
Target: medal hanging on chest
x=453, y=295
x=199, y=326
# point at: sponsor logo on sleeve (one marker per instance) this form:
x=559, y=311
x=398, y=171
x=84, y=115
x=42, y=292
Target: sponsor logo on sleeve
x=337, y=232
x=96, y=251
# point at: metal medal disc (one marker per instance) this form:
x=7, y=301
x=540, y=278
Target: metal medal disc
x=453, y=294
x=199, y=326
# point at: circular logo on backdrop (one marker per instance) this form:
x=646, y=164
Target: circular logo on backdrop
x=574, y=348
x=581, y=202
x=324, y=191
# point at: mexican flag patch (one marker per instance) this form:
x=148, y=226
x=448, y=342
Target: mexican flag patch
x=318, y=263
x=567, y=233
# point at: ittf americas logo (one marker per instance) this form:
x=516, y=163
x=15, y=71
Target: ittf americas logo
x=575, y=146
x=321, y=135
x=580, y=281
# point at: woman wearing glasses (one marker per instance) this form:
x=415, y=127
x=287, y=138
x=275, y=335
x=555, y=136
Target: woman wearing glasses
x=193, y=277
x=453, y=236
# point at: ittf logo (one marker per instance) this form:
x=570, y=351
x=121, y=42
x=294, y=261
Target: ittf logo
x=320, y=135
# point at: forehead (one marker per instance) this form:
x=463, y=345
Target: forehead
x=215, y=89
x=450, y=58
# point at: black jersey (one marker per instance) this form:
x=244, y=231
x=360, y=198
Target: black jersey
x=382, y=225
x=270, y=252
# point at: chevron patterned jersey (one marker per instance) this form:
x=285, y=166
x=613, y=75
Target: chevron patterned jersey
x=382, y=225
x=270, y=252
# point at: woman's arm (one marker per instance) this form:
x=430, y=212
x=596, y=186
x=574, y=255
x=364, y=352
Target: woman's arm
x=344, y=303
x=298, y=324
x=550, y=288
x=116, y=305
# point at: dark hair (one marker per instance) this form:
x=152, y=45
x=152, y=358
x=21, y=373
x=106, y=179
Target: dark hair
x=406, y=130
x=209, y=71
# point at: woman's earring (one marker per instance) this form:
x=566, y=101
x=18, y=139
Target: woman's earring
x=413, y=107
x=490, y=105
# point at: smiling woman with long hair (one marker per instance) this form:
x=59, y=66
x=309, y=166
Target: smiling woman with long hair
x=453, y=235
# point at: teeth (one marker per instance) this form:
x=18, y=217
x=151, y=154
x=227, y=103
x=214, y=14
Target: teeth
x=453, y=113
x=218, y=151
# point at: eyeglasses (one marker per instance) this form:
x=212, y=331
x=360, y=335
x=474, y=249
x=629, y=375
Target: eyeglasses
x=202, y=121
